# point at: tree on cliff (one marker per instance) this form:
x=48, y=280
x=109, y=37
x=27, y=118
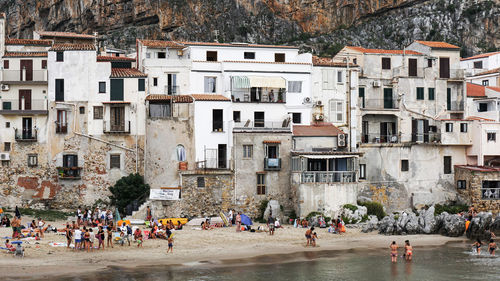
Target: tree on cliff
x=127, y=190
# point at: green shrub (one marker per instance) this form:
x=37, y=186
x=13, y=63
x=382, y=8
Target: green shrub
x=313, y=214
x=350, y=207
x=48, y=215
x=450, y=209
x=364, y=218
x=128, y=189
x=374, y=208
x=349, y=221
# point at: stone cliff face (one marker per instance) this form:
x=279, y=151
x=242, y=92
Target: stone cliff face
x=311, y=23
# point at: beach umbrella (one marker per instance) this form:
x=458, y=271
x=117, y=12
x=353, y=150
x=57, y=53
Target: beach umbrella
x=245, y=220
x=117, y=216
x=18, y=214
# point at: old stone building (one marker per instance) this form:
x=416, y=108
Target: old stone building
x=480, y=186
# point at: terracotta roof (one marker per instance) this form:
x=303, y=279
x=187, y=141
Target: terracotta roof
x=112, y=58
x=65, y=34
x=382, y=51
x=496, y=89
x=456, y=119
x=316, y=130
x=272, y=141
x=477, y=118
x=319, y=61
x=126, y=73
x=270, y=62
x=25, y=54
x=183, y=44
x=491, y=71
x=72, y=47
x=28, y=42
x=479, y=168
x=175, y=99
x=162, y=44
x=485, y=55
x=438, y=44
x=208, y=97
x=474, y=90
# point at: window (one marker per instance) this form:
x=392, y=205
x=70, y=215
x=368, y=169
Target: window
x=82, y=110
x=114, y=161
x=340, y=76
x=279, y=57
x=412, y=68
x=70, y=160
x=431, y=92
x=6, y=64
x=61, y=123
x=249, y=55
x=355, y=60
x=6, y=146
x=236, y=116
x=210, y=84
x=180, y=152
x=483, y=107
x=447, y=164
x=162, y=55
x=404, y=165
x=155, y=81
x=59, y=89
x=148, y=55
x=449, y=127
x=295, y=86
x=297, y=117
x=461, y=184
x=386, y=63
x=361, y=94
x=200, y=181
x=44, y=64
x=32, y=160
x=259, y=119
x=429, y=62
x=141, y=85
x=336, y=111
x=328, y=76
x=420, y=93
x=463, y=127
x=7, y=105
x=102, y=87
x=490, y=190
x=7, y=124
x=491, y=136
x=362, y=171
x=485, y=82
x=261, y=184
x=247, y=151
x=272, y=151
x=160, y=110
x=217, y=120
x=5, y=163
x=478, y=64
x=98, y=112
x=211, y=56
x=59, y=56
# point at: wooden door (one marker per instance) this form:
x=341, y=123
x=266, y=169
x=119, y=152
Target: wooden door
x=444, y=67
x=25, y=96
x=27, y=65
x=117, y=119
x=412, y=67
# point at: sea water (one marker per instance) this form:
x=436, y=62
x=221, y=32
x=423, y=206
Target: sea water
x=451, y=262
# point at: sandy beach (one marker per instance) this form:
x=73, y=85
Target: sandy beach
x=190, y=246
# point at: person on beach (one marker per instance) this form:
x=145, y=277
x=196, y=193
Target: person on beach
x=100, y=238
x=394, y=251
x=270, y=224
x=78, y=239
x=477, y=245
x=110, y=236
x=238, y=222
x=309, y=235
x=492, y=247
x=408, y=250
x=170, y=244
x=69, y=235
x=314, y=237
x=91, y=239
x=41, y=224
x=16, y=227
x=148, y=214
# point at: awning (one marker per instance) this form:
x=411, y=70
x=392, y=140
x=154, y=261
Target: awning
x=328, y=156
x=267, y=82
x=240, y=82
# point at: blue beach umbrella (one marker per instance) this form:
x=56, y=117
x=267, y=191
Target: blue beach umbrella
x=245, y=220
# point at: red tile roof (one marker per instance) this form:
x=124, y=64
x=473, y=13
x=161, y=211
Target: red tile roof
x=25, y=54
x=162, y=44
x=437, y=44
x=477, y=118
x=65, y=34
x=112, y=58
x=496, y=89
x=208, y=97
x=479, y=168
x=272, y=141
x=382, y=51
x=319, y=61
x=30, y=42
x=474, y=90
x=126, y=73
x=491, y=71
x=485, y=55
x=183, y=44
x=316, y=130
x=175, y=99
x=72, y=47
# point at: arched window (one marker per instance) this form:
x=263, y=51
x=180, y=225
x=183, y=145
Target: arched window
x=181, y=153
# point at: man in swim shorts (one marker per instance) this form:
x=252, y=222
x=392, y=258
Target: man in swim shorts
x=309, y=235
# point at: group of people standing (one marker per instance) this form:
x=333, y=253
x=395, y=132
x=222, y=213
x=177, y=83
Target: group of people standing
x=408, y=254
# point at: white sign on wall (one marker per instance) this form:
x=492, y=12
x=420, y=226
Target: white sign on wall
x=165, y=194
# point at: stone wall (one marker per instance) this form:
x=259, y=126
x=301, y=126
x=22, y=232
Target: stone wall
x=473, y=182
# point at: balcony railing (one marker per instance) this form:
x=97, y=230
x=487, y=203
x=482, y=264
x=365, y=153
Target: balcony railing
x=61, y=127
x=261, y=125
x=378, y=138
x=114, y=128
x=263, y=97
x=401, y=71
x=430, y=137
x=457, y=74
x=378, y=104
x=69, y=173
x=17, y=106
x=455, y=106
x=11, y=75
x=328, y=176
x=272, y=164
x=25, y=134
x=172, y=90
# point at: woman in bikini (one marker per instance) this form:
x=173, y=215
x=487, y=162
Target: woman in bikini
x=492, y=247
x=408, y=250
x=69, y=235
x=478, y=245
x=394, y=251
x=110, y=235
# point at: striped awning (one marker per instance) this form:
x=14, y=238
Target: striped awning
x=240, y=82
x=267, y=82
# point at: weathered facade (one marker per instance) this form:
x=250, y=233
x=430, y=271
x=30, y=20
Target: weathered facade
x=480, y=186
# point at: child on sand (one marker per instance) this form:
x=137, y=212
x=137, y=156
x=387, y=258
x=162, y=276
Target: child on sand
x=394, y=251
x=139, y=240
x=313, y=239
x=492, y=247
x=408, y=250
x=170, y=244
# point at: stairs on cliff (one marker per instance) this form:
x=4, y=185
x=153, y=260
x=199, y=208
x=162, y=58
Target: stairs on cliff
x=140, y=213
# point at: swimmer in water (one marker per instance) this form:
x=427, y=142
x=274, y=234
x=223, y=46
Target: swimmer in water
x=477, y=245
x=492, y=247
x=394, y=251
x=408, y=250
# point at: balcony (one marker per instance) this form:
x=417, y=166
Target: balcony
x=272, y=96
x=262, y=126
x=272, y=164
x=25, y=134
x=171, y=90
x=24, y=107
x=455, y=106
x=61, y=127
x=378, y=104
x=430, y=137
x=328, y=176
x=69, y=173
x=122, y=127
x=401, y=71
x=378, y=138
x=457, y=75
x=10, y=76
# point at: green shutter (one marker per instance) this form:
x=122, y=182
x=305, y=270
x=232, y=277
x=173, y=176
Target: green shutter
x=420, y=93
x=116, y=90
x=7, y=105
x=431, y=93
x=361, y=94
x=142, y=85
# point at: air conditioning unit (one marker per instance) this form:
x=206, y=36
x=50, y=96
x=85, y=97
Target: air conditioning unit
x=180, y=53
x=377, y=84
x=5, y=87
x=4, y=156
x=341, y=140
x=319, y=117
x=318, y=103
x=307, y=100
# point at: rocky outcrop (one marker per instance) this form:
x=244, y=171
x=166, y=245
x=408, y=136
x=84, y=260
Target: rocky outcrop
x=479, y=226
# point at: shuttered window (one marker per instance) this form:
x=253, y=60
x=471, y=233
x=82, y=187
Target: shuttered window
x=114, y=161
x=386, y=63
x=6, y=64
x=431, y=93
x=142, y=85
x=261, y=184
x=336, y=111
x=420, y=93
x=116, y=90
x=447, y=164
